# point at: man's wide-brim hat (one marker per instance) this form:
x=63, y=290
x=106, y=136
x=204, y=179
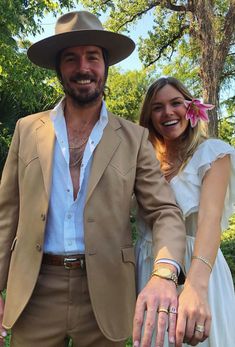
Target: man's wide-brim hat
x=80, y=28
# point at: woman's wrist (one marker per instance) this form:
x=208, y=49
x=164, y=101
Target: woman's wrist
x=198, y=279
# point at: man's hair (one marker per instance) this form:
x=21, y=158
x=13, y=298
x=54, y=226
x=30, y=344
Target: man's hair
x=190, y=139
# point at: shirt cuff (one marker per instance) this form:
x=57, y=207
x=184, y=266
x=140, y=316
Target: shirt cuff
x=169, y=261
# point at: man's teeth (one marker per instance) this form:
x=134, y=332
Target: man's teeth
x=83, y=81
x=171, y=122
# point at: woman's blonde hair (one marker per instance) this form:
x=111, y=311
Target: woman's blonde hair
x=190, y=139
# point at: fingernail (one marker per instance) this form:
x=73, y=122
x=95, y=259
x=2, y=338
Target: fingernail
x=136, y=344
x=3, y=333
x=172, y=340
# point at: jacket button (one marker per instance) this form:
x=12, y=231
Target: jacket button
x=43, y=217
x=38, y=247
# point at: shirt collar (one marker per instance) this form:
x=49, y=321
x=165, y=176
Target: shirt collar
x=58, y=112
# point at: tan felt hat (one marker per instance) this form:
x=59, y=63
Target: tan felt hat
x=80, y=28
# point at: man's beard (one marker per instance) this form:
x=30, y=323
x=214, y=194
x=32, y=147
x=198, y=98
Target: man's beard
x=85, y=97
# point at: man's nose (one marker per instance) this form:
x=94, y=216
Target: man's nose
x=83, y=65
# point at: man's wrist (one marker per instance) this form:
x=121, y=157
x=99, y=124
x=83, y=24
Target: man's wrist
x=167, y=263
x=166, y=272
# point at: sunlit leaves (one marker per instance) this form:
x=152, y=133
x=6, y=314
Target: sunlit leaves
x=126, y=91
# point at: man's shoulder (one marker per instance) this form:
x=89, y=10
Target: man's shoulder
x=34, y=117
x=126, y=123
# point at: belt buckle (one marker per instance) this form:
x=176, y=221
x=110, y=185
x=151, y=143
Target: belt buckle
x=68, y=262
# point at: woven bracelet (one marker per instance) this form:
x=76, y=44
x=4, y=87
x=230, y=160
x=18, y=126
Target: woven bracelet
x=204, y=260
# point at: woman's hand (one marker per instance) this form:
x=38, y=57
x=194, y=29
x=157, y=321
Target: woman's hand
x=194, y=317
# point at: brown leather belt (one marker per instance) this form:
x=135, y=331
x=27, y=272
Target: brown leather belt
x=76, y=261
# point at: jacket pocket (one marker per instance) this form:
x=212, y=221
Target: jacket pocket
x=128, y=255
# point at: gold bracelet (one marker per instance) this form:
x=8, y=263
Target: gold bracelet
x=204, y=260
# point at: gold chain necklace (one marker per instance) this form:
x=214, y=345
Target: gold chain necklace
x=76, y=154
x=81, y=144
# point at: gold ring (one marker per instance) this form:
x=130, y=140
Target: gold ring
x=162, y=309
x=200, y=328
x=173, y=310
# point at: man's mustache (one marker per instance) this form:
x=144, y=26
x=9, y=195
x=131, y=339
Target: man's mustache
x=79, y=77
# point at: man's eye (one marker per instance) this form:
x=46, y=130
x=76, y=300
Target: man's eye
x=93, y=57
x=68, y=59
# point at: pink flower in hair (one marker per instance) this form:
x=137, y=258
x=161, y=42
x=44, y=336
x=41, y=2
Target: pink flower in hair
x=197, y=110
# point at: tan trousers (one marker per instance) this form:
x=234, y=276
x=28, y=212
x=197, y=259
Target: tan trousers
x=59, y=308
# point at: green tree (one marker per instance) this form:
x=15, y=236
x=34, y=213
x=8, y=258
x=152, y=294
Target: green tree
x=200, y=32
x=228, y=246
x=24, y=88
x=126, y=91
x=227, y=131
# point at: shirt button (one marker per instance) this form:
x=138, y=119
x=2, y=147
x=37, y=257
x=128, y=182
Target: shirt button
x=92, y=142
x=69, y=216
x=70, y=243
x=68, y=190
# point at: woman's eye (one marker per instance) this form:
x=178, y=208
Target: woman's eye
x=176, y=103
x=157, y=108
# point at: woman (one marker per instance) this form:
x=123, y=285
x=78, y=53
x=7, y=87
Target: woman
x=201, y=172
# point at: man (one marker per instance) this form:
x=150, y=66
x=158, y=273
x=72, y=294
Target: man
x=66, y=253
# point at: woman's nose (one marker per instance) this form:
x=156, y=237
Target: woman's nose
x=168, y=110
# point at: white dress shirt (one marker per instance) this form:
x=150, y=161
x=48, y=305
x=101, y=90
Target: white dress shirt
x=65, y=228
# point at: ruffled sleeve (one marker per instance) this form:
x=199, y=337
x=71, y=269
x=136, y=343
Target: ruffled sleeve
x=187, y=184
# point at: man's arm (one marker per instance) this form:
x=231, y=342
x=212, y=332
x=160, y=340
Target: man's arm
x=9, y=211
x=163, y=215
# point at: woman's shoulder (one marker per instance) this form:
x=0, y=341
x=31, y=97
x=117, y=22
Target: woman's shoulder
x=187, y=183
x=214, y=145
x=209, y=151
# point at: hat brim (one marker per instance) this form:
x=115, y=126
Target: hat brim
x=43, y=53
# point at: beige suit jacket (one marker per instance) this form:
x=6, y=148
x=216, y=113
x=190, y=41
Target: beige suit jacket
x=124, y=161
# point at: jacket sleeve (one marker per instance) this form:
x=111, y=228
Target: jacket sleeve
x=9, y=207
x=159, y=208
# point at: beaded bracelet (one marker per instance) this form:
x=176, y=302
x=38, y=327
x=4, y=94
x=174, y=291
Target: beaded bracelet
x=204, y=260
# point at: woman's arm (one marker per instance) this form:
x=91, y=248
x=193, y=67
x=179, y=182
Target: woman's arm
x=193, y=301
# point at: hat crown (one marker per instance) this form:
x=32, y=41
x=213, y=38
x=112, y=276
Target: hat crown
x=77, y=21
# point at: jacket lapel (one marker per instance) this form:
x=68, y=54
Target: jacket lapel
x=45, y=147
x=103, y=153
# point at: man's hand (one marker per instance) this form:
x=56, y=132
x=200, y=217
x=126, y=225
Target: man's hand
x=3, y=332
x=158, y=295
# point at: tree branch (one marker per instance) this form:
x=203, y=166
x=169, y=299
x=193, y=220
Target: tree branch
x=228, y=74
x=152, y=5
x=229, y=27
x=169, y=43
x=176, y=8
x=137, y=14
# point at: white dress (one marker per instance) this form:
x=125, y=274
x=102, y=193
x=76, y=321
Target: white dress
x=186, y=186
